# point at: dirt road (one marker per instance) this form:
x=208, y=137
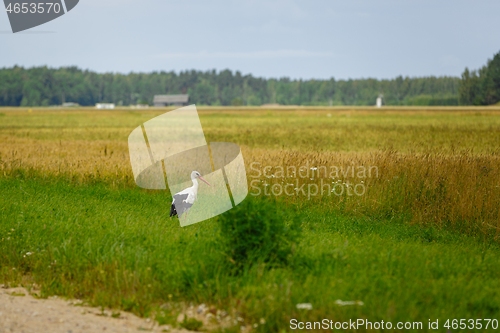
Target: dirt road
x=26, y=314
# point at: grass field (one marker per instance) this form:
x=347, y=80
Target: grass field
x=420, y=243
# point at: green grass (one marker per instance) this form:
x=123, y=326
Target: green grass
x=100, y=238
x=119, y=248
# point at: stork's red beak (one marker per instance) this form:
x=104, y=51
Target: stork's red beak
x=204, y=180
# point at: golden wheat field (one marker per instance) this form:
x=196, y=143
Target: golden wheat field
x=433, y=166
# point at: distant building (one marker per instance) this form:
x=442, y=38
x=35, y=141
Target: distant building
x=165, y=100
x=379, y=101
x=70, y=104
x=105, y=106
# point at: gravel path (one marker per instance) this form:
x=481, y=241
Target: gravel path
x=26, y=314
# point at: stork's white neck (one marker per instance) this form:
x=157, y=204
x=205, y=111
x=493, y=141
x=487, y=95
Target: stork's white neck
x=195, y=183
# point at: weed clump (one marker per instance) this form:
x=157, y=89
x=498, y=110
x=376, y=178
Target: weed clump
x=258, y=231
x=191, y=324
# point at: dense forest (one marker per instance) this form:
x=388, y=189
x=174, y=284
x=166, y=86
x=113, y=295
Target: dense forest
x=482, y=86
x=42, y=86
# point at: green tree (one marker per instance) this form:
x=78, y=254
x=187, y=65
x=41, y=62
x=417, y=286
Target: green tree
x=490, y=86
x=481, y=87
x=49, y=86
x=468, y=88
x=238, y=101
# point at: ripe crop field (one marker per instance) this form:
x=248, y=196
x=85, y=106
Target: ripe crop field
x=397, y=208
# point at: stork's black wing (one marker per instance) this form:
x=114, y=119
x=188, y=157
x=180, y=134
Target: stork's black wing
x=178, y=205
x=173, y=212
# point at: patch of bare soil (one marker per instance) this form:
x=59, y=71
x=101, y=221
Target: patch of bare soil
x=22, y=313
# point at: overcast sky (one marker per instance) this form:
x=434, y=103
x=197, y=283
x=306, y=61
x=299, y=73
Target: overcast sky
x=267, y=38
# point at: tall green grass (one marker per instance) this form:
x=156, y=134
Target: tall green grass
x=73, y=222
x=119, y=248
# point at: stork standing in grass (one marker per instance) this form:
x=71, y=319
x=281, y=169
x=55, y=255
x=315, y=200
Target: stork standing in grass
x=185, y=199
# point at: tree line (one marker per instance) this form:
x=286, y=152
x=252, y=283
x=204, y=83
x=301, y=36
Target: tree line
x=482, y=86
x=43, y=86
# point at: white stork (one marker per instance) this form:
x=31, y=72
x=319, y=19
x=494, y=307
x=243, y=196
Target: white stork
x=185, y=199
